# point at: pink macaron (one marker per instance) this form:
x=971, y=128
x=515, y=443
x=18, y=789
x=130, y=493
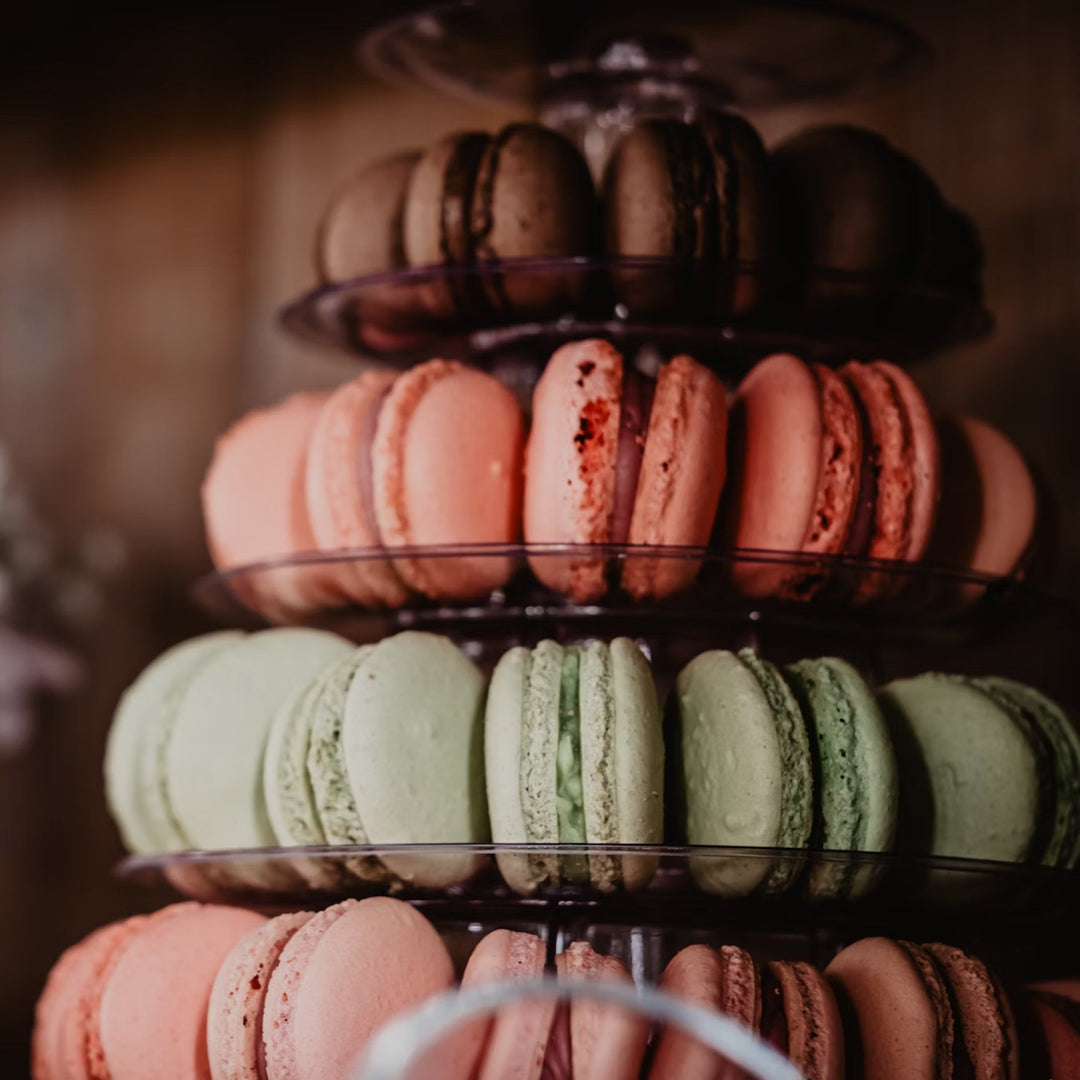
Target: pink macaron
x=135, y=992
x=827, y=464
x=340, y=977
x=616, y=457
x=431, y=457
x=254, y=507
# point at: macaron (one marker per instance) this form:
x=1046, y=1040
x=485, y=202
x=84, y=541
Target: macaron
x=797, y=473
x=342, y=975
x=574, y=755
x=234, y=1030
x=922, y=1012
x=699, y=195
x=989, y=770
x=855, y=771
x=746, y=769
x=1048, y=1016
x=989, y=506
x=402, y=461
x=254, y=508
x=140, y=731
x=396, y=759
x=134, y=992
x=829, y=464
x=906, y=462
x=583, y=1039
x=790, y=1005
x=851, y=202
x=213, y=760
x=473, y=198
x=361, y=230
x=614, y=457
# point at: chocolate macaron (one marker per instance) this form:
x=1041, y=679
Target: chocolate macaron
x=697, y=194
x=474, y=197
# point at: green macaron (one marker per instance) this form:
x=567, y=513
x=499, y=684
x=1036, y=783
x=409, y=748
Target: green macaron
x=395, y=757
x=574, y=755
x=855, y=771
x=140, y=731
x=746, y=769
x=980, y=779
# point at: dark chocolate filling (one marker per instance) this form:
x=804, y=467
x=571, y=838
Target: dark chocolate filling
x=459, y=186
x=365, y=474
x=963, y=1068
x=862, y=524
x=481, y=219
x=774, y=1026
x=635, y=407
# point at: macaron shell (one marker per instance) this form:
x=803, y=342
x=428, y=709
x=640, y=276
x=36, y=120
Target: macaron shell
x=889, y=1019
x=815, y=1034
x=777, y=431
x=622, y=752
x=254, y=506
x=985, y=1020
x=235, y=1013
x=339, y=447
x=155, y=1003
x=1060, y=1035
x=682, y=475
x=725, y=980
x=570, y=463
x=504, y=723
x=413, y=753
x=969, y=778
x=732, y=769
x=375, y=960
x=989, y=506
x=516, y=1039
x=607, y=1042
x=214, y=758
x=447, y=459
x=137, y=737
x=360, y=233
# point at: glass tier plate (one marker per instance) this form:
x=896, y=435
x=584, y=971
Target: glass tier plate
x=741, y=52
x=721, y=588
x=680, y=886
x=488, y=311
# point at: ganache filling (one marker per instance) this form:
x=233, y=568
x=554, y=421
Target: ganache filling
x=635, y=408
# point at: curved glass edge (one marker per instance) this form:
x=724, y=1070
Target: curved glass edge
x=660, y=882
x=708, y=583
x=830, y=315
x=526, y=66
x=401, y=1046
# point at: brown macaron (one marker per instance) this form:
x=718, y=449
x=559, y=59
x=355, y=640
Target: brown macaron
x=473, y=197
x=695, y=193
x=360, y=233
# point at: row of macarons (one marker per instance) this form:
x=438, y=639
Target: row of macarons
x=295, y=738
x=812, y=462
x=706, y=194
x=300, y=996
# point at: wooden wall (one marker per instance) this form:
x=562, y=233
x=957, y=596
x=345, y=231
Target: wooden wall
x=157, y=204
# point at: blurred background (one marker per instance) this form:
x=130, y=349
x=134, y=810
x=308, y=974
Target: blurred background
x=161, y=176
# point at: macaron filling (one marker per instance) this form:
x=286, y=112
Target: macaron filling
x=570, y=803
x=635, y=408
x=774, y=1025
x=558, y=1057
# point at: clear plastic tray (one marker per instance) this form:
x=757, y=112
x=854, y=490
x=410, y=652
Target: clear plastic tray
x=408, y=315
x=808, y=592
x=685, y=886
x=742, y=52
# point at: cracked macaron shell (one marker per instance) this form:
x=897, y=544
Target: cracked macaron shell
x=570, y=460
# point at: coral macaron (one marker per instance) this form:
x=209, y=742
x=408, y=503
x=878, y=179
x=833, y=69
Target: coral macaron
x=615, y=457
x=431, y=457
